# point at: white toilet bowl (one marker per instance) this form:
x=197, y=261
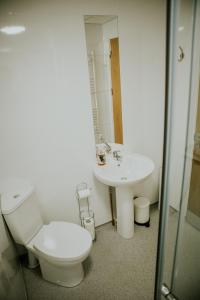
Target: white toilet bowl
x=61, y=247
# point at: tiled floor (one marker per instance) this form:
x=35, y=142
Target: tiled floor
x=117, y=269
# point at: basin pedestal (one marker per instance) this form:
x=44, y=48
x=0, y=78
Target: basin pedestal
x=125, y=213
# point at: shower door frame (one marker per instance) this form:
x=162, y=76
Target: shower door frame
x=160, y=288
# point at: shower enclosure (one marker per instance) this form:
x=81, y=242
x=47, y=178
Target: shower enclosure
x=178, y=256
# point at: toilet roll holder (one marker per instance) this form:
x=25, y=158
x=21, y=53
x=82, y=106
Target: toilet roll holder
x=86, y=215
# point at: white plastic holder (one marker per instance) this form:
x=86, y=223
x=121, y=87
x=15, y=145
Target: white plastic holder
x=86, y=215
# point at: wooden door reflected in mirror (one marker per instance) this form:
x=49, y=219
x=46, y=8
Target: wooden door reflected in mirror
x=116, y=90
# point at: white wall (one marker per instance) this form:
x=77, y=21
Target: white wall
x=142, y=49
x=45, y=109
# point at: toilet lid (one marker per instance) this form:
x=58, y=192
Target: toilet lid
x=63, y=241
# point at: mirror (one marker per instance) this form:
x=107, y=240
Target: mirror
x=102, y=41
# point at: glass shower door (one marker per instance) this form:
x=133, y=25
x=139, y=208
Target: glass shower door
x=178, y=257
x=186, y=277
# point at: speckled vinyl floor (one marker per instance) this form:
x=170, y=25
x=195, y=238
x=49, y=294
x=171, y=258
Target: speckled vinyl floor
x=117, y=269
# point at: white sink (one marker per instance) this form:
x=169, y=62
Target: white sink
x=133, y=168
x=123, y=175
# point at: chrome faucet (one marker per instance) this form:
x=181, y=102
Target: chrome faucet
x=107, y=146
x=117, y=155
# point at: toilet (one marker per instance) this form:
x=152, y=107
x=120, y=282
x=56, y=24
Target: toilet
x=60, y=247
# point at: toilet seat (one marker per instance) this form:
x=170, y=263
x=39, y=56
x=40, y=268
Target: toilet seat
x=62, y=242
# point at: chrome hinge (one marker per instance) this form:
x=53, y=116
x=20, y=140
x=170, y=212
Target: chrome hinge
x=110, y=54
x=165, y=291
x=112, y=92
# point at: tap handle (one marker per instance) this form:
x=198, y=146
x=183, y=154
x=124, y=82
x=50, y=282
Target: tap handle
x=116, y=153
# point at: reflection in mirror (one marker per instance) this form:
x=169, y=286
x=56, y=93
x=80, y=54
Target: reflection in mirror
x=102, y=43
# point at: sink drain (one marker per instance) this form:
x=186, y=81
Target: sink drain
x=124, y=178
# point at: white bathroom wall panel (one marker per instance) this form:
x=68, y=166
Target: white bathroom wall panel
x=45, y=108
x=142, y=75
